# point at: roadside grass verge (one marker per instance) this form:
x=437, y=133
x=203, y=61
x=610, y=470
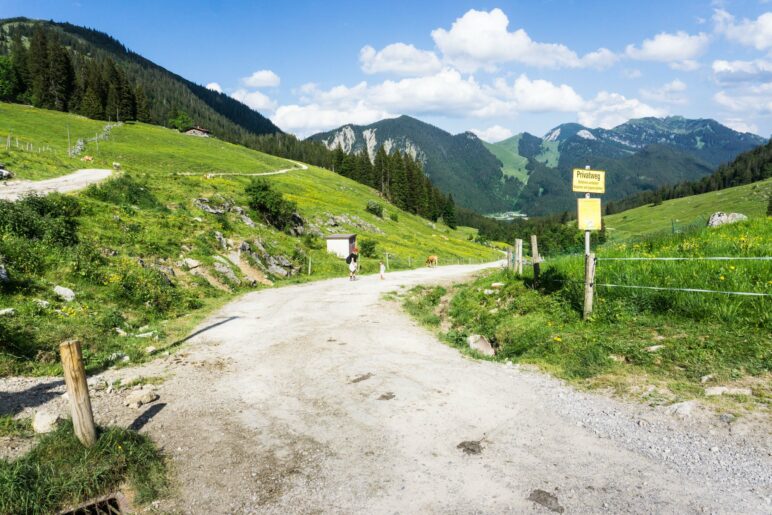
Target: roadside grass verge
x=657, y=347
x=10, y=426
x=59, y=471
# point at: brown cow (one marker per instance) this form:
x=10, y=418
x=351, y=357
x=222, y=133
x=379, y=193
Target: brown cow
x=432, y=261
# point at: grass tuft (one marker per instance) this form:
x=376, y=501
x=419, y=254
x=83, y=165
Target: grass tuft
x=59, y=471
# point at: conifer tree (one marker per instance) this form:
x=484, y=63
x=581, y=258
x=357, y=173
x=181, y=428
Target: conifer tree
x=449, y=212
x=61, y=76
x=38, y=69
x=143, y=113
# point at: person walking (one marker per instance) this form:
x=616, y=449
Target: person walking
x=383, y=271
x=353, y=264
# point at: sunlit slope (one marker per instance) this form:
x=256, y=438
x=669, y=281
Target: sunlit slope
x=749, y=199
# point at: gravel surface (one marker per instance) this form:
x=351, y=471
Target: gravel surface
x=326, y=398
x=78, y=180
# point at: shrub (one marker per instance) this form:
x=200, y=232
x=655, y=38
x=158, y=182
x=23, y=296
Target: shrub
x=367, y=248
x=125, y=190
x=394, y=217
x=270, y=204
x=51, y=219
x=374, y=208
x=313, y=242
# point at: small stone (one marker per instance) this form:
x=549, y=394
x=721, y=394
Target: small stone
x=480, y=344
x=145, y=335
x=547, y=500
x=42, y=303
x=654, y=348
x=727, y=418
x=682, y=409
x=65, y=294
x=488, y=292
x=45, y=421
x=137, y=398
x=4, y=275
x=125, y=359
x=150, y=350
x=120, y=332
x=705, y=379
x=497, y=285
x=7, y=312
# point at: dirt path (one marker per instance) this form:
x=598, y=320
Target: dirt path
x=78, y=180
x=325, y=398
x=298, y=166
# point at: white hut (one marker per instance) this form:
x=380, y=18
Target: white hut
x=341, y=244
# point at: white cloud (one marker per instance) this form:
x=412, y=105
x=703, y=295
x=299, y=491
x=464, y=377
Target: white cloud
x=759, y=70
x=756, y=33
x=678, y=49
x=537, y=95
x=608, y=110
x=480, y=39
x=400, y=59
x=493, y=134
x=262, y=79
x=254, y=99
x=670, y=93
x=309, y=119
x=740, y=125
x=631, y=73
x=214, y=86
x=687, y=65
x=750, y=100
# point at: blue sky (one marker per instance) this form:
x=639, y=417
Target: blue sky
x=497, y=68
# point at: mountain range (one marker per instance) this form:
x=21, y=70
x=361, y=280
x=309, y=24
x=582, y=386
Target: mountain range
x=532, y=174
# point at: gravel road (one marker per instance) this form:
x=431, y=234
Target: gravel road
x=325, y=398
x=78, y=180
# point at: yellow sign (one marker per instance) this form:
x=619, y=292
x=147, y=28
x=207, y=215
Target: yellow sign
x=588, y=211
x=589, y=181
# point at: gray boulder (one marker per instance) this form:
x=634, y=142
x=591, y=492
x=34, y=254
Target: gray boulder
x=277, y=271
x=4, y=275
x=221, y=240
x=5, y=175
x=45, y=421
x=7, y=312
x=480, y=344
x=138, y=398
x=721, y=218
x=191, y=263
x=226, y=271
x=65, y=294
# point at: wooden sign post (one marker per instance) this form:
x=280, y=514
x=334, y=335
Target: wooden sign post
x=589, y=219
x=77, y=389
x=519, y=256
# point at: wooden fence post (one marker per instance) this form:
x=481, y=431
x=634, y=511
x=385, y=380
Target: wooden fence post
x=589, y=284
x=536, y=260
x=77, y=390
x=509, y=258
x=519, y=256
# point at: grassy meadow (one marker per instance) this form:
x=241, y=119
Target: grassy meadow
x=109, y=242
x=658, y=346
x=748, y=199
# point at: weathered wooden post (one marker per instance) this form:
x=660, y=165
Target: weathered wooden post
x=519, y=256
x=536, y=260
x=589, y=284
x=77, y=389
x=509, y=258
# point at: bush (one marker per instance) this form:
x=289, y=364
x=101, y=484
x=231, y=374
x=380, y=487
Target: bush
x=374, y=208
x=51, y=219
x=394, y=217
x=125, y=191
x=367, y=248
x=313, y=242
x=270, y=204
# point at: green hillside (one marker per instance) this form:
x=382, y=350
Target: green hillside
x=513, y=164
x=120, y=246
x=749, y=199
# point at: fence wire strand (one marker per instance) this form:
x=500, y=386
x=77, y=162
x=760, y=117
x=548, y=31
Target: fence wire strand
x=760, y=258
x=692, y=290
